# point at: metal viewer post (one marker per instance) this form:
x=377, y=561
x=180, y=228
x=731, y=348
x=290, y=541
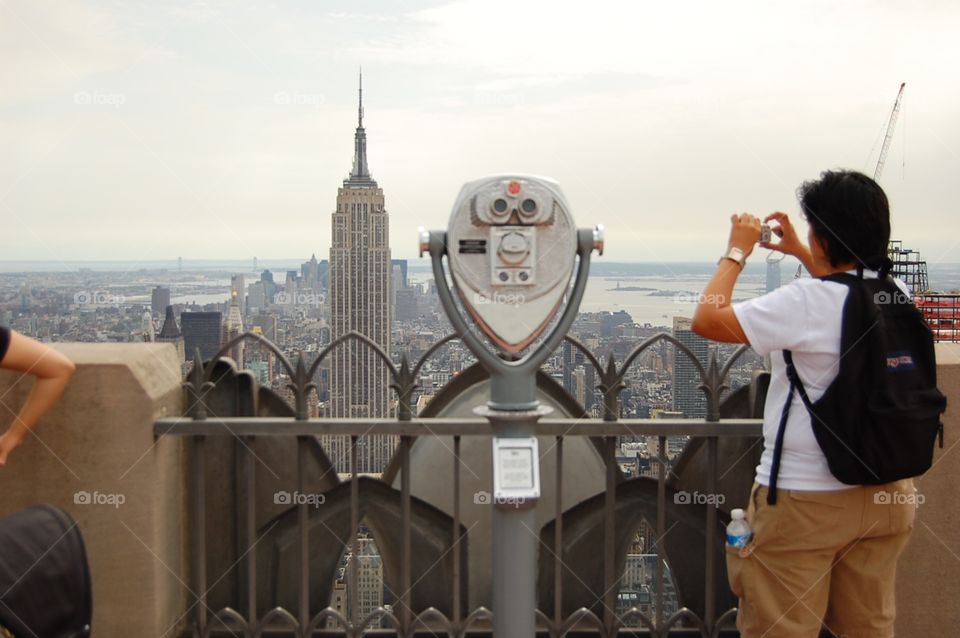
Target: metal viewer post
x=511, y=247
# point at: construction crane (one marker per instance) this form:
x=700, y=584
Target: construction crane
x=889, y=135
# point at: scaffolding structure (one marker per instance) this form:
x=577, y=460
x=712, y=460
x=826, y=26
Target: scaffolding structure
x=940, y=309
x=908, y=267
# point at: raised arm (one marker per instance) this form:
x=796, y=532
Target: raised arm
x=714, y=318
x=51, y=370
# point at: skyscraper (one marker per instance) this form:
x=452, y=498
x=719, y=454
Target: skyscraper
x=773, y=275
x=572, y=361
x=360, y=299
x=406, y=305
x=688, y=398
x=310, y=273
x=238, y=290
x=323, y=273
x=259, y=360
x=201, y=330
x=572, y=357
x=232, y=328
x=369, y=586
x=159, y=300
x=396, y=284
x=402, y=265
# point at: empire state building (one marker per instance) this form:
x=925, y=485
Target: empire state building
x=360, y=293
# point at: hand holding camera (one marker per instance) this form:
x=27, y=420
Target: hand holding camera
x=789, y=243
x=745, y=232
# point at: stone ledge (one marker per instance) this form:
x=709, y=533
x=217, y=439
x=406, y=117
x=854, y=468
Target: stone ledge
x=98, y=441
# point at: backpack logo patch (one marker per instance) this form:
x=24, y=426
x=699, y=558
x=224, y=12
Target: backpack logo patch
x=900, y=362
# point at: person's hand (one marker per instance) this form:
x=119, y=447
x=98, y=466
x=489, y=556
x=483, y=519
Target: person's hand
x=744, y=232
x=789, y=243
x=9, y=441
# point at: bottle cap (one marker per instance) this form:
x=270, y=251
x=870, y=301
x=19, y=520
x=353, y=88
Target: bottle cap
x=736, y=514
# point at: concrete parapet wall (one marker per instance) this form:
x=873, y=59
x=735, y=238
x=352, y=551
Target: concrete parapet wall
x=94, y=455
x=928, y=575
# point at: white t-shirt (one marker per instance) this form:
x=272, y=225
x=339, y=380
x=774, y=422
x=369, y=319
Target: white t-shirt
x=804, y=317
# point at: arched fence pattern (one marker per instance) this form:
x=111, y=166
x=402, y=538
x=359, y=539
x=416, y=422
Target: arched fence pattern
x=403, y=620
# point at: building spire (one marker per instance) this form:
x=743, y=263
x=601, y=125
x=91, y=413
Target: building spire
x=360, y=174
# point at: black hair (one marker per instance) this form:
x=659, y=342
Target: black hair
x=850, y=214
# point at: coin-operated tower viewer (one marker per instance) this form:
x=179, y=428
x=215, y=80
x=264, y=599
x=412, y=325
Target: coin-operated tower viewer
x=517, y=262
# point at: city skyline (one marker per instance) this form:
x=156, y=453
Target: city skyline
x=230, y=121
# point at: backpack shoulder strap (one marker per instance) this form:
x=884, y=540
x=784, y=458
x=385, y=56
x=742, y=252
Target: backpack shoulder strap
x=778, y=443
x=795, y=379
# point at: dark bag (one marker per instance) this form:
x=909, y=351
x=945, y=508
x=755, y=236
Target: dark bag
x=44, y=579
x=879, y=419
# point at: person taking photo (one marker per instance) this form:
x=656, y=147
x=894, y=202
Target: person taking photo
x=823, y=553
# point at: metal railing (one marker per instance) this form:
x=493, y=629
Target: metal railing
x=200, y=426
x=942, y=312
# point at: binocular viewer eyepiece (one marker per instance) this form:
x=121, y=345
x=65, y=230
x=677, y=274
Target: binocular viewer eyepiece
x=511, y=245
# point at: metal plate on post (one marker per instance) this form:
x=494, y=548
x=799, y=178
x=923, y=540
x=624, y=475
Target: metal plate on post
x=516, y=470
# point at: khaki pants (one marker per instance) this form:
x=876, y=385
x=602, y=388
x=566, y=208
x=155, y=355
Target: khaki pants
x=822, y=558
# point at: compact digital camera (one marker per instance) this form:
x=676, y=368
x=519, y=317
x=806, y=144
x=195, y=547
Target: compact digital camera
x=766, y=233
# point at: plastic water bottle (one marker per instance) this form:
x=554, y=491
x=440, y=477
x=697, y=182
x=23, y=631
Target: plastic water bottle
x=738, y=531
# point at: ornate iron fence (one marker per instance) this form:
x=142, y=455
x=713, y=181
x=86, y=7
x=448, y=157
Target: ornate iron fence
x=199, y=425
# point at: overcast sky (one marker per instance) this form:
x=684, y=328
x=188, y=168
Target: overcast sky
x=151, y=130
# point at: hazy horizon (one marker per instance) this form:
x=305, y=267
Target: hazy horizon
x=140, y=130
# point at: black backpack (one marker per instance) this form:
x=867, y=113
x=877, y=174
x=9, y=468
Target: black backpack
x=45, y=587
x=879, y=419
